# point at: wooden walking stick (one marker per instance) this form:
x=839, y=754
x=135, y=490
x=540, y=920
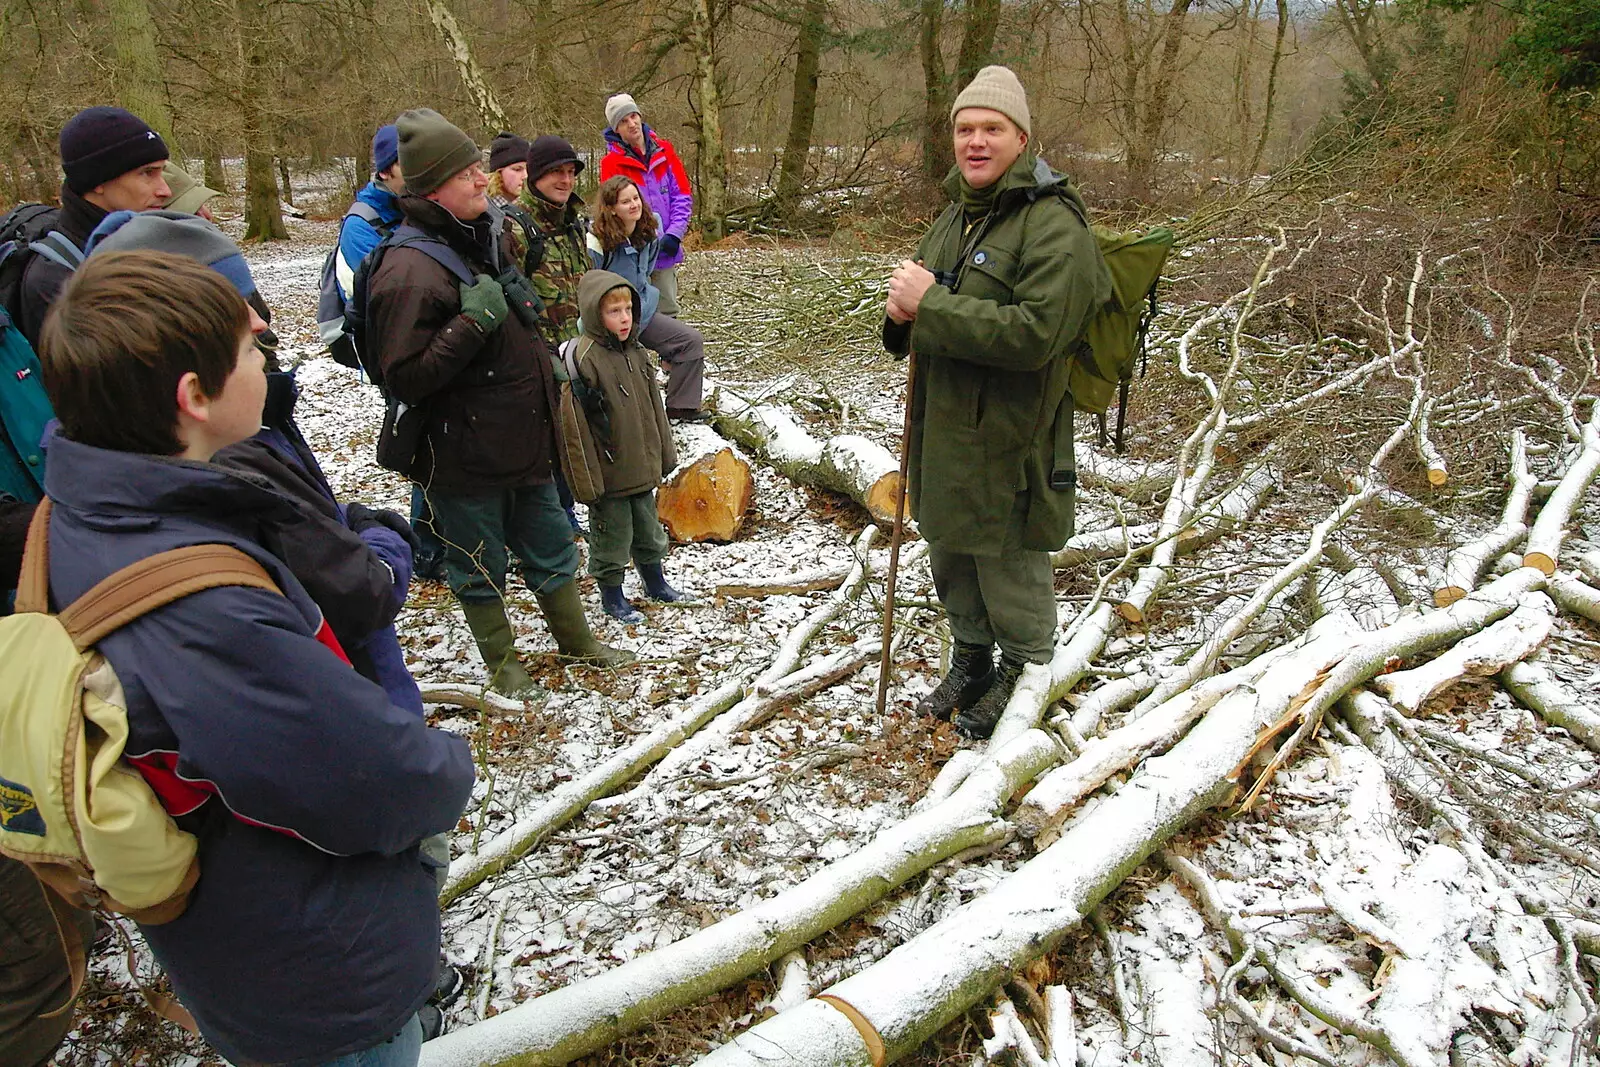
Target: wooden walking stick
x=894, y=536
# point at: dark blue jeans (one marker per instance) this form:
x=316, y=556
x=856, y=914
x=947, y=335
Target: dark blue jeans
x=430, y=553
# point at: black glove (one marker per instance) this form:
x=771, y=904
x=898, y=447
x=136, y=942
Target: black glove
x=670, y=243
x=400, y=525
x=359, y=517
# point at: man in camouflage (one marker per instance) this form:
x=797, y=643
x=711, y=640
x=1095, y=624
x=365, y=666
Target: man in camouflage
x=557, y=211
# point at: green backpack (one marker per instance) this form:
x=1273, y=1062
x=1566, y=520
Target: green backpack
x=1115, y=337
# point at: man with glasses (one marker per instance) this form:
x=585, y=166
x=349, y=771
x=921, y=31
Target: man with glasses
x=450, y=344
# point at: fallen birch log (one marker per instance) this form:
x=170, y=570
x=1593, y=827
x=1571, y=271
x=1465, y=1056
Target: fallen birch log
x=1119, y=694
x=1537, y=689
x=1052, y=799
x=1550, y=528
x=1432, y=458
x=585, y=1016
x=887, y=1010
x=1478, y=656
x=563, y=803
x=1215, y=519
x=471, y=697
x=811, y=581
x=856, y=466
x=1467, y=563
x=1574, y=596
x=1130, y=479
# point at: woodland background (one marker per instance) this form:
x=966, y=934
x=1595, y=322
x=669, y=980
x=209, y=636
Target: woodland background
x=791, y=115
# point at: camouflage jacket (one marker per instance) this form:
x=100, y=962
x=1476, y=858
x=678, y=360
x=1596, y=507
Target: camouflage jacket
x=564, y=230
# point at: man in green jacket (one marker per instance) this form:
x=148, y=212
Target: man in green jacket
x=993, y=308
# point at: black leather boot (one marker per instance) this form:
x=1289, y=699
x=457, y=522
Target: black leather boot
x=971, y=671
x=977, y=722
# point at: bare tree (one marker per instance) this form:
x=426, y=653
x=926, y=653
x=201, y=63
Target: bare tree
x=263, y=216
x=713, y=201
x=490, y=113
x=803, y=109
x=140, y=85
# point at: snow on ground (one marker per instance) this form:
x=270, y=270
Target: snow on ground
x=747, y=819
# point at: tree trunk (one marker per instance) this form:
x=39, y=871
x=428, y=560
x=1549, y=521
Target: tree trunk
x=283, y=180
x=713, y=162
x=980, y=24
x=1146, y=149
x=490, y=113
x=803, y=108
x=1272, y=89
x=215, y=176
x=263, y=218
x=938, y=156
x=140, y=86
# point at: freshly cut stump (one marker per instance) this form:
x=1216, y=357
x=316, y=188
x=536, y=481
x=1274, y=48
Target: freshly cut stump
x=708, y=499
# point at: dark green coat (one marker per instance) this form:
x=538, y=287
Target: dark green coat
x=991, y=418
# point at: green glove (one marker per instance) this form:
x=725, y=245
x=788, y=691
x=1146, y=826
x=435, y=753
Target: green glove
x=484, y=302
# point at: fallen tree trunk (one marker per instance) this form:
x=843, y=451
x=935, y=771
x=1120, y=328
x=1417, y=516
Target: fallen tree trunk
x=472, y=697
x=856, y=466
x=563, y=803
x=581, y=1018
x=886, y=1011
x=1466, y=564
x=1550, y=528
x=812, y=581
x=708, y=499
x=1536, y=688
x=1482, y=654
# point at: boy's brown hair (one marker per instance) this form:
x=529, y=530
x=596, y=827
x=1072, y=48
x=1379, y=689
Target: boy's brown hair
x=608, y=228
x=125, y=329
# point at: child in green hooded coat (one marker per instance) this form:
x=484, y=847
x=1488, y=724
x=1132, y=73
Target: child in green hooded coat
x=633, y=439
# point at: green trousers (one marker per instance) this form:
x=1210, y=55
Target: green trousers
x=1007, y=600
x=481, y=531
x=621, y=527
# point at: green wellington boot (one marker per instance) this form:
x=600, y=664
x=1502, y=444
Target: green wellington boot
x=497, y=645
x=563, y=613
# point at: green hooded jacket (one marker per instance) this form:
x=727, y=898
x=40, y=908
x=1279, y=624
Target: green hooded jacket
x=641, y=451
x=991, y=419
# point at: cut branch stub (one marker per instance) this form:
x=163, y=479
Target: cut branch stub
x=708, y=499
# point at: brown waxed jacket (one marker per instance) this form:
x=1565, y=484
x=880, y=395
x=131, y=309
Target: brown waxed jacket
x=641, y=451
x=488, y=398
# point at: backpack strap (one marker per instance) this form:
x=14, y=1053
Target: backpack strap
x=136, y=589
x=435, y=249
x=58, y=249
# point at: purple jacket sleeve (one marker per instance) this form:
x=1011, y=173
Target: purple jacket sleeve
x=680, y=200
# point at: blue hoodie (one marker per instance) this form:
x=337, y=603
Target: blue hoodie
x=358, y=237
x=314, y=929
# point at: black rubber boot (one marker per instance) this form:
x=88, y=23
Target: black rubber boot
x=655, y=584
x=977, y=722
x=618, y=606
x=497, y=645
x=971, y=671
x=563, y=613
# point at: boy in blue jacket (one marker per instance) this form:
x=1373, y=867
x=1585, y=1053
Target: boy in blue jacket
x=312, y=937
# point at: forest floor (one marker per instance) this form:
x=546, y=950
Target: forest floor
x=1336, y=868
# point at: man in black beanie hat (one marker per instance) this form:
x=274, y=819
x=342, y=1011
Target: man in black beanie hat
x=114, y=162
x=472, y=363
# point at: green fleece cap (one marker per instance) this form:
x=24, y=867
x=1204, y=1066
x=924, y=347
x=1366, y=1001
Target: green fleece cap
x=432, y=150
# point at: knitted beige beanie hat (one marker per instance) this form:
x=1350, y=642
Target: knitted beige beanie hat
x=999, y=89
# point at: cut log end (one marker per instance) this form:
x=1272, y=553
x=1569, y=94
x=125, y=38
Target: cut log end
x=707, y=500
x=1540, y=562
x=1443, y=598
x=1437, y=476
x=883, y=496
x=1130, y=613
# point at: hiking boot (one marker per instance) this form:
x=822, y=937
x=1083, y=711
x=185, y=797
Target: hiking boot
x=432, y=1020
x=688, y=415
x=563, y=613
x=617, y=606
x=655, y=584
x=497, y=645
x=977, y=722
x=447, y=987
x=971, y=672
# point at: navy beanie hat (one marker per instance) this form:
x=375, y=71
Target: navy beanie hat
x=102, y=143
x=385, y=148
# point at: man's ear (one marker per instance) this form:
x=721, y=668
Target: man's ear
x=1024, y=138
